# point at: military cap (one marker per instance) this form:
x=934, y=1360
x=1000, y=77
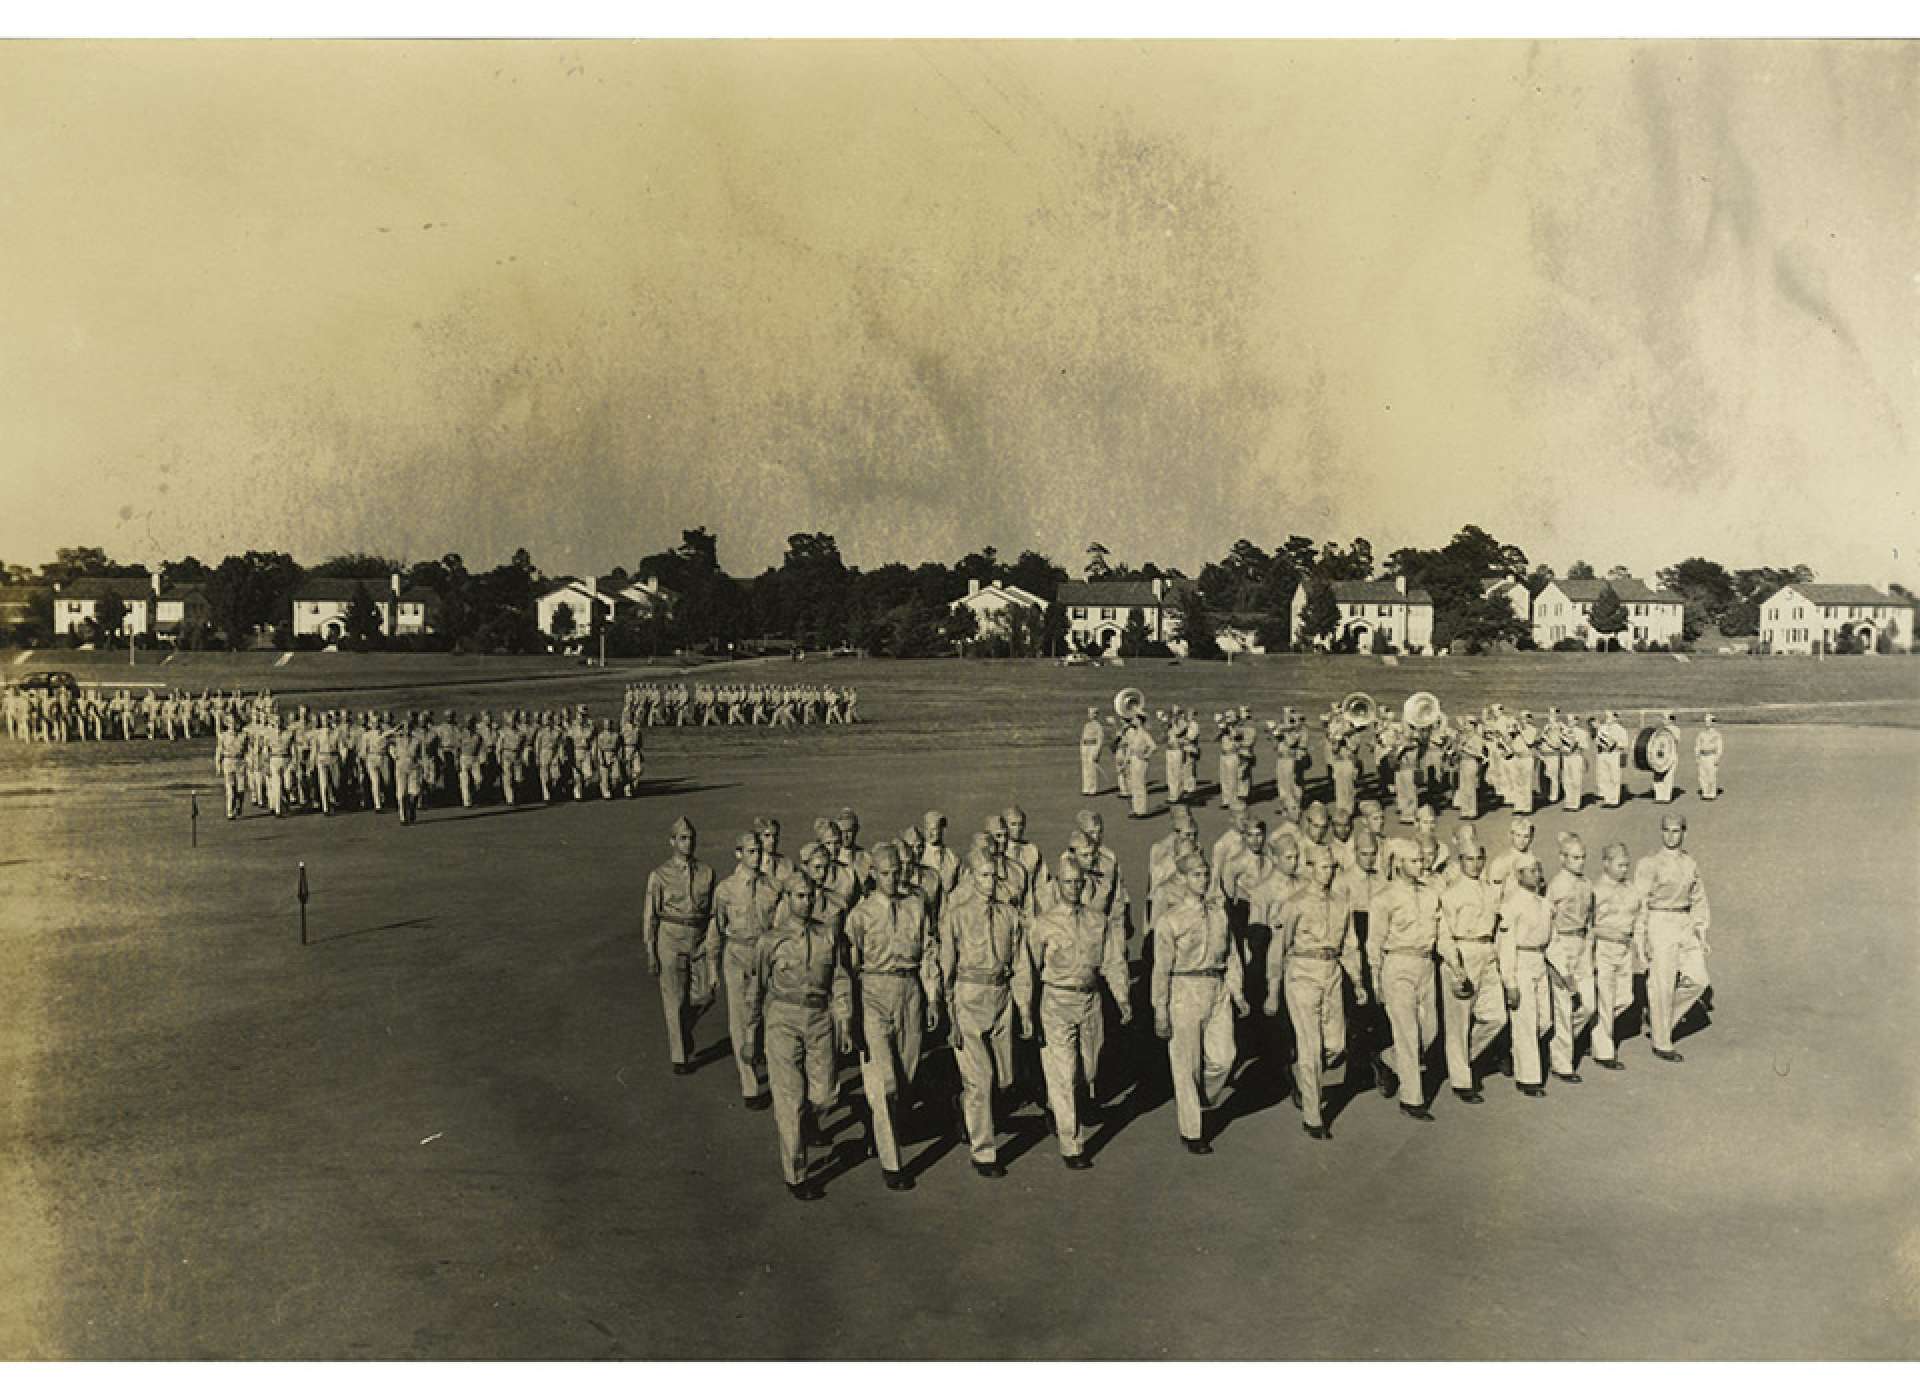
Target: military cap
x=681, y=824
x=886, y=855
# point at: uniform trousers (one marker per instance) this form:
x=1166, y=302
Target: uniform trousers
x=1571, y=962
x=738, y=971
x=1533, y=1017
x=1407, y=988
x=1200, y=1053
x=1573, y=780
x=1709, y=779
x=1136, y=776
x=983, y=1029
x=1074, y=1026
x=683, y=981
x=1612, y=992
x=1466, y=796
x=1346, y=776
x=800, y=1069
x=1676, y=973
x=1472, y=1024
x=1316, y=1006
x=1089, y=771
x=893, y=1014
x=1608, y=777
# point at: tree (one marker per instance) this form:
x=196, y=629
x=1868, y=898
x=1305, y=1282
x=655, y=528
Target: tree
x=1619, y=573
x=250, y=591
x=1134, y=636
x=362, y=622
x=962, y=626
x=1352, y=564
x=84, y=561
x=1537, y=579
x=1900, y=590
x=1037, y=574
x=563, y=624
x=1321, y=615
x=1609, y=615
x=1703, y=583
x=1581, y=569
x=1054, y=629
x=1099, y=561
x=1193, y=625
x=109, y=615
x=356, y=566
x=447, y=576
x=177, y=572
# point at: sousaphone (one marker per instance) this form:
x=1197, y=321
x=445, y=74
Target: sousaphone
x=1130, y=703
x=1359, y=709
x=1422, y=710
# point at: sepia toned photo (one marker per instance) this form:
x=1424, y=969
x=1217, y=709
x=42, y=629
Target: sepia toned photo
x=956, y=700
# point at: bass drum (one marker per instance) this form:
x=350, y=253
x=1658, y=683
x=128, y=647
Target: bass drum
x=1655, y=750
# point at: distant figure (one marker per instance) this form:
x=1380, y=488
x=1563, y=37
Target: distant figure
x=1708, y=745
x=674, y=914
x=1092, y=739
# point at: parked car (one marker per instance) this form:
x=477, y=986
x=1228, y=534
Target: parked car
x=51, y=680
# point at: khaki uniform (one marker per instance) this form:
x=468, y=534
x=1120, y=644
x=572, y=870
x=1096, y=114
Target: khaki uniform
x=1092, y=740
x=1313, y=943
x=1197, y=975
x=1137, y=748
x=1469, y=909
x=1708, y=745
x=1619, y=940
x=674, y=915
x=893, y=948
x=1609, y=763
x=806, y=999
x=983, y=959
x=1525, y=930
x=1677, y=920
x=1073, y=947
x=743, y=906
x=1570, y=964
x=1403, y=928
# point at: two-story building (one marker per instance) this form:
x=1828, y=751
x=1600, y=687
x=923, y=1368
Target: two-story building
x=991, y=602
x=1097, y=611
x=1510, y=591
x=594, y=602
x=1564, y=610
x=1399, y=617
x=1802, y=616
x=76, y=604
x=320, y=607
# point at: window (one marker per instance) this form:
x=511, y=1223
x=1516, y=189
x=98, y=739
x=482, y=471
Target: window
x=1080, y=614
x=1386, y=610
x=1106, y=614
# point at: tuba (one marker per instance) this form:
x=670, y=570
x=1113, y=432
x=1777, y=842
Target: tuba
x=1130, y=703
x=1359, y=709
x=1422, y=710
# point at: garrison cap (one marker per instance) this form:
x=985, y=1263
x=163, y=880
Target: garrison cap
x=682, y=825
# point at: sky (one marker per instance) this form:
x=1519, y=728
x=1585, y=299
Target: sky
x=1626, y=302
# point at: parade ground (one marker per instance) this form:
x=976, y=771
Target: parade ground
x=444, y=1127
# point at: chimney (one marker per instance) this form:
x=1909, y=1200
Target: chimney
x=393, y=581
x=653, y=583
x=1159, y=588
x=1400, y=583
x=973, y=586
x=154, y=576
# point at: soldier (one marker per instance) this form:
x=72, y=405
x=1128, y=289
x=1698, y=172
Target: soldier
x=1521, y=937
x=839, y=879
x=1708, y=745
x=1573, y=763
x=1678, y=919
x=983, y=960
x=1101, y=866
x=1197, y=991
x=1227, y=734
x=851, y=855
x=1164, y=853
x=1552, y=748
x=1610, y=744
x=934, y=853
x=1313, y=943
x=1092, y=739
x=1136, y=750
x=407, y=762
x=1426, y=833
x=1503, y=869
x=324, y=754
x=1619, y=945
x=548, y=744
x=1663, y=781
x=1073, y=947
x=1474, y=1011
x=470, y=759
x=674, y=914
x=1026, y=855
x=279, y=761
x=606, y=759
x=1403, y=928
x=773, y=865
x=1472, y=755
x=807, y=1009
x=894, y=950
x=1570, y=956
x=1343, y=762
x=230, y=759
x=1178, y=761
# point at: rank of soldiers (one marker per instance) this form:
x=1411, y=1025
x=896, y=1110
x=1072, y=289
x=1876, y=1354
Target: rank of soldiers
x=778, y=706
x=1346, y=952
x=58, y=716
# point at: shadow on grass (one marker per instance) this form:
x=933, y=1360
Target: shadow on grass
x=424, y=921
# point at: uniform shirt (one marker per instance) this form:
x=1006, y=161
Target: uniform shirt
x=891, y=934
x=1137, y=745
x=680, y=893
x=1238, y=876
x=1267, y=898
x=1072, y=945
x=984, y=939
x=943, y=862
x=1315, y=923
x=798, y=958
x=1570, y=897
x=1231, y=843
x=1092, y=736
x=1469, y=911
x=1671, y=883
x=1404, y=918
x=406, y=749
x=743, y=905
x=1526, y=926
x=1192, y=939
x=1708, y=743
x=1502, y=868
x=1619, y=911
x=1027, y=856
x=1162, y=863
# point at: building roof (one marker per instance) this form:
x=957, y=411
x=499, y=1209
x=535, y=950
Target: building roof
x=1498, y=583
x=1628, y=590
x=570, y=582
x=1012, y=592
x=181, y=592
x=420, y=593
x=1108, y=593
x=340, y=590
x=19, y=592
x=1848, y=595
x=1359, y=591
x=128, y=590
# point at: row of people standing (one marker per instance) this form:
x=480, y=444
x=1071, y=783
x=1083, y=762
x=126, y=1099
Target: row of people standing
x=56, y=715
x=656, y=706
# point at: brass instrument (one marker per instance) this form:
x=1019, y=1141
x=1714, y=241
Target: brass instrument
x=1359, y=709
x=1129, y=703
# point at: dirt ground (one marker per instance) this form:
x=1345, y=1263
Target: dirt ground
x=446, y=1128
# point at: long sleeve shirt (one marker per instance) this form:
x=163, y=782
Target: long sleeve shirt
x=1235, y=879
x=1192, y=939
x=799, y=959
x=894, y=936
x=679, y=893
x=942, y=862
x=1073, y=947
x=1267, y=900
x=1670, y=880
x=1503, y=867
x=1316, y=924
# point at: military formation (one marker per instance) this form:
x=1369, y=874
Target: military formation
x=778, y=706
x=1469, y=764
x=93, y=715
x=910, y=983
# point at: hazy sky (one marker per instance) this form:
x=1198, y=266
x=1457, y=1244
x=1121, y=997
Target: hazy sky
x=1626, y=302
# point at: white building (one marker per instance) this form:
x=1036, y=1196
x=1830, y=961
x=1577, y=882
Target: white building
x=990, y=603
x=1802, y=616
x=1510, y=591
x=320, y=607
x=1565, y=609
x=75, y=604
x=1097, y=611
x=597, y=601
x=1401, y=619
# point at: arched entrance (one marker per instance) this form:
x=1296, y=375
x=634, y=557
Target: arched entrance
x=1109, y=639
x=334, y=630
x=1359, y=636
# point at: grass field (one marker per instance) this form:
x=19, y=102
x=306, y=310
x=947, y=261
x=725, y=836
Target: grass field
x=446, y=1129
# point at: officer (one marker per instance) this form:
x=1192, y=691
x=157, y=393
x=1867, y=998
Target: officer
x=1570, y=955
x=1073, y=948
x=1708, y=745
x=1474, y=1008
x=893, y=948
x=1520, y=939
x=674, y=914
x=1678, y=920
x=1313, y=943
x=1092, y=739
x=983, y=960
x=1403, y=928
x=1619, y=945
x=743, y=906
x=1197, y=991
x=807, y=1008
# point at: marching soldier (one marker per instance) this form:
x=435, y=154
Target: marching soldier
x=1619, y=945
x=408, y=759
x=230, y=759
x=893, y=949
x=1403, y=928
x=1313, y=944
x=1163, y=855
x=743, y=906
x=934, y=853
x=1678, y=919
x=983, y=959
x=1708, y=745
x=674, y=914
x=851, y=855
x=1026, y=855
x=1092, y=740
x=1525, y=929
x=807, y=1011
x=1573, y=763
x=1474, y=1011
x=1197, y=992
x=773, y=865
x=1610, y=744
x=1073, y=947
x=1505, y=867
x=1570, y=956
